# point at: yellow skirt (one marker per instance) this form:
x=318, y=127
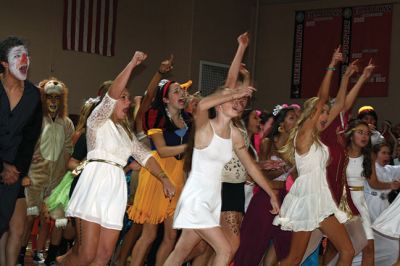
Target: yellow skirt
x=150, y=204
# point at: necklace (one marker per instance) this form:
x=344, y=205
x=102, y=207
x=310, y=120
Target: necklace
x=180, y=117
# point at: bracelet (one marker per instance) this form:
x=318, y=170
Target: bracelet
x=161, y=73
x=331, y=68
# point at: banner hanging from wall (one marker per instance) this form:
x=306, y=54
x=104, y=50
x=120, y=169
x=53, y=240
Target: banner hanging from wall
x=363, y=32
x=89, y=26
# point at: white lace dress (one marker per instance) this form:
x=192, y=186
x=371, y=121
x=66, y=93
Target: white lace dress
x=309, y=200
x=100, y=195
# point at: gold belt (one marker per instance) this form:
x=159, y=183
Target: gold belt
x=356, y=188
x=78, y=170
x=106, y=161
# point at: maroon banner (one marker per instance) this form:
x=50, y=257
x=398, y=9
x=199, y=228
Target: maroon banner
x=371, y=36
x=363, y=32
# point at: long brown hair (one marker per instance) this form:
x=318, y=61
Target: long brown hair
x=365, y=151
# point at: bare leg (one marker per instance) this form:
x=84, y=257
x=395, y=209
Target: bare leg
x=330, y=253
x=128, y=243
x=3, y=245
x=168, y=242
x=188, y=239
x=230, y=225
x=15, y=233
x=337, y=234
x=270, y=257
x=85, y=248
x=368, y=254
x=204, y=257
x=298, y=247
x=107, y=241
x=217, y=240
x=143, y=244
x=43, y=233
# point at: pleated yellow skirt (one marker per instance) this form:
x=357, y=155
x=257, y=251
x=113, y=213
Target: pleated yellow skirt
x=150, y=204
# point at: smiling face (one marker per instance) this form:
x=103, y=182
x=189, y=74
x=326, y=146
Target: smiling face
x=290, y=120
x=122, y=106
x=18, y=62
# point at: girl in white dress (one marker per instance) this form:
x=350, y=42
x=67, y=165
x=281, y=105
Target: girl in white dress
x=199, y=207
x=360, y=171
x=309, y=204
x=99, y=199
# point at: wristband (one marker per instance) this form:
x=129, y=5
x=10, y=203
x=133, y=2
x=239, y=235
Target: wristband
x=161, y=73
x=331, y=68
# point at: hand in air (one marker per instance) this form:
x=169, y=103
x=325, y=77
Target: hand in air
x=166, y=65
x=244, y=91
x=352, y=68
x=138, y=58
x=336, y=57
x=243, y=39
x=368, y=70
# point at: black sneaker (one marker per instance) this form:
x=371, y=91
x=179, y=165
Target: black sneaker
x=38, y=257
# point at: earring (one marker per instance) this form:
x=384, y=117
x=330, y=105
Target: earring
x=280, y=129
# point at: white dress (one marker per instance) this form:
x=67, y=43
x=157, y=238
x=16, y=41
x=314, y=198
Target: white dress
x=355, y=179
x=388, y=223
x=100, y=195
x=200, y=203
x=309, y=200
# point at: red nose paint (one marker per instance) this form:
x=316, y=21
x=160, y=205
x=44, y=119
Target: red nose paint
x=24, y=59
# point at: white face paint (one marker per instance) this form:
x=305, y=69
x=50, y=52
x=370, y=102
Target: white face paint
x=18, y=62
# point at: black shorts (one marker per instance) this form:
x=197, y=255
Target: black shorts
x=232, y=197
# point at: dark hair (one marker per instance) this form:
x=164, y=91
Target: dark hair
x=372, y=113
x=5, y=46
x=365, y=151
x=278, y=119
x=265, y=116
x=377, y=147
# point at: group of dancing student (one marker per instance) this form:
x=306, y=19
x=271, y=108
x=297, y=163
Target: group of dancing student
x=240, y=194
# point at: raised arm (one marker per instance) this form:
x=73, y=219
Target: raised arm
x=323, y=92
x=165, y=67
x=233, y=72
x=339, y=104
x=105, y=108
x=217, y=98
x=353, y=93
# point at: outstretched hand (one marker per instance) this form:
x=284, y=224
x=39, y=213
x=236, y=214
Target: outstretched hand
x=368, y=70
x=336, y=57
x=352, y=68
x=166, y=65
x=138, y=58
x=244, y=91
x=243, y=39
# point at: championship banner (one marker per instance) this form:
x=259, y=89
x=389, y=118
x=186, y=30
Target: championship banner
x=363, y=32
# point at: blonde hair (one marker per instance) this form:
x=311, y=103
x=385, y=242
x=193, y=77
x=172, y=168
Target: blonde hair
x=309, y=109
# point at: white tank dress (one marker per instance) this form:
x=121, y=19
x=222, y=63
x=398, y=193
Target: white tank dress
x=355, y=179
x=100, y=196
x=200, y=203
x=309, y=200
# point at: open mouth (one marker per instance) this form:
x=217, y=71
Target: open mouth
x=182, y=101
x=23, y=69
x=125, y=110
x=323, y=124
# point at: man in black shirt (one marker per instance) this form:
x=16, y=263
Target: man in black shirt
x=20, y=124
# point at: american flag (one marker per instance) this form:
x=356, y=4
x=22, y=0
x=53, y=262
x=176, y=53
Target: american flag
x=89, y=26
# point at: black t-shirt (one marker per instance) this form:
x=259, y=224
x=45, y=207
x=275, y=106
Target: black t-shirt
x=80, y=149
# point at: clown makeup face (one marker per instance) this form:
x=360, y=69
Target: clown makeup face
x=53, y=101
x=18, y=61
